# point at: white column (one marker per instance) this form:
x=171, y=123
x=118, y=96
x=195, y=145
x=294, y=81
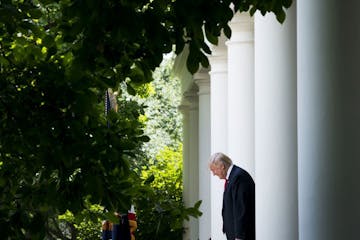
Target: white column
x=190, y=112
x=241, y=92
x=329, y=119
x=202, y=79
x=218, y=76
x=276, y=127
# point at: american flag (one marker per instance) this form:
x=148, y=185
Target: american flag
x=110, y=102
x=107, y=102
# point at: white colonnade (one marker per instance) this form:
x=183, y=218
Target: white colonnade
x=284, y=106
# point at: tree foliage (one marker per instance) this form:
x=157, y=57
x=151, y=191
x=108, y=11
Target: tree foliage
x=157, y=184
x=161, y=210
x=57, y=57
x=162, y=118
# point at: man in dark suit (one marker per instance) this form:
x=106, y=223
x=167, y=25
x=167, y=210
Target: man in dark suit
x=238, y=210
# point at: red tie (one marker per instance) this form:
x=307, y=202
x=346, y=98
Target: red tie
x=226, y=183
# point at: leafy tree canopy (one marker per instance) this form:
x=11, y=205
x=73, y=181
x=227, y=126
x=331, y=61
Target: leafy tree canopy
x=162, y=118
x=57, y=58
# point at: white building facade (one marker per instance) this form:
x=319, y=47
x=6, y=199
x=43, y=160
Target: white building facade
x=282, y=100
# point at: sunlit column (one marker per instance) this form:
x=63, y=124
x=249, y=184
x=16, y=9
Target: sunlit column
x=241, y=92
x=202, y=80
x=329, y=119
x=190, y=112
x=276, y=127
x=218, y=83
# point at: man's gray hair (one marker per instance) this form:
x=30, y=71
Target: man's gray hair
x=220, y=157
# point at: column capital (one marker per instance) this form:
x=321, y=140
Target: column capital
x=242, y=26
x=218, y=57
x=202, y=80
x=190, y=99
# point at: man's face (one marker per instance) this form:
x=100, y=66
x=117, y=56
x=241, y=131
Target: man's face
x=218, y=169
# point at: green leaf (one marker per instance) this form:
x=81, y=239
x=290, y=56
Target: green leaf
x=210, y=36
x=192, y=65
x=204, y=60
x=130, y=89
x=197, y=204
x=144, y=138
x=252, y=11
x=242, y=6
x=280, y=16
x=192, y=62
x=227, y=31
x=180, y=44
x=111, y=217
x=287, y=3
x=35, y=13
x=149, y=180
x=206, y=48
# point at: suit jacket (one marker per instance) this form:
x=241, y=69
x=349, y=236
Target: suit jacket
x=239, y=206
